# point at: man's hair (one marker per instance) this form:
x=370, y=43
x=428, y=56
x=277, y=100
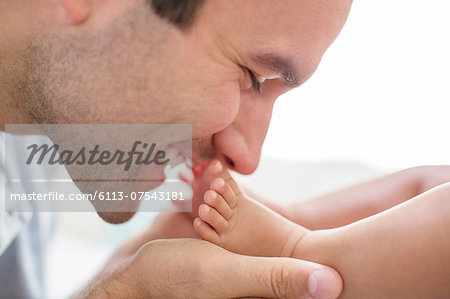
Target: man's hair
x=181, y=13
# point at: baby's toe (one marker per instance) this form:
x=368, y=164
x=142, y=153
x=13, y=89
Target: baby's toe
x=213, y=218
x=205, y=231
x=215, y=200
x=216, y=169
x=222, y=188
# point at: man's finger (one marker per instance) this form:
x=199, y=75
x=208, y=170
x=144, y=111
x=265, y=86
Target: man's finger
x=285, y=278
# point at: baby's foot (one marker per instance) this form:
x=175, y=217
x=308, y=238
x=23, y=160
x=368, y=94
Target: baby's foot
x=237, y=223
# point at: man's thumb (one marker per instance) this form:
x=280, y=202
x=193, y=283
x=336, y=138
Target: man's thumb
x=291, y=278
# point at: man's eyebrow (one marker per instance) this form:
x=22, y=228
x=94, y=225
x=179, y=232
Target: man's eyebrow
x=281, y=65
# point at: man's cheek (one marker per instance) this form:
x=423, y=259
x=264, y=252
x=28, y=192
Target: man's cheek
x=222, y=110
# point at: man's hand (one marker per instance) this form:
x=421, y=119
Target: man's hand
x=189, y=268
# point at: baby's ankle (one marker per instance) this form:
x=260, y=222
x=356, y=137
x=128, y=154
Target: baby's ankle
x=295, y=241
x=311, y=243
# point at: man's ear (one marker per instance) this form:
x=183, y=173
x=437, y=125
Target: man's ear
x=76, y=11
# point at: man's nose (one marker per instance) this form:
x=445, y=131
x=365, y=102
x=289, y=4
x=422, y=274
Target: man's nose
x=239, y=145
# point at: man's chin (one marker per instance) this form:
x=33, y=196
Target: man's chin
x=116, y=217
x=116, y=212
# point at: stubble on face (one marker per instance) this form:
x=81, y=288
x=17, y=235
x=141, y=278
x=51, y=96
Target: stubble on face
x=82, y=75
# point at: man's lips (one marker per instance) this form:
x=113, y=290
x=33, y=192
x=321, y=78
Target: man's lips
x=192, y=160
x=196, y=161
x=177, y=156
x=199, y=168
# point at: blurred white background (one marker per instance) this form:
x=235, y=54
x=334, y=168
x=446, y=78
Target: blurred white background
x=380, y=98
x=381, y=94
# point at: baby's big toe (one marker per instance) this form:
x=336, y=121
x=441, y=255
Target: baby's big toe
x=216, y=169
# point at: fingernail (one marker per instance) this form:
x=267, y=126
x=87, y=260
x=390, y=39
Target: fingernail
x=217, y=167
x=322, y=284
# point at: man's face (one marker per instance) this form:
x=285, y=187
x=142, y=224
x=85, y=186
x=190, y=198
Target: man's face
x=123, y=65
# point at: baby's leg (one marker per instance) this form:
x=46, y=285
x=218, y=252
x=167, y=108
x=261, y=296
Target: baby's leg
x=403, y=252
